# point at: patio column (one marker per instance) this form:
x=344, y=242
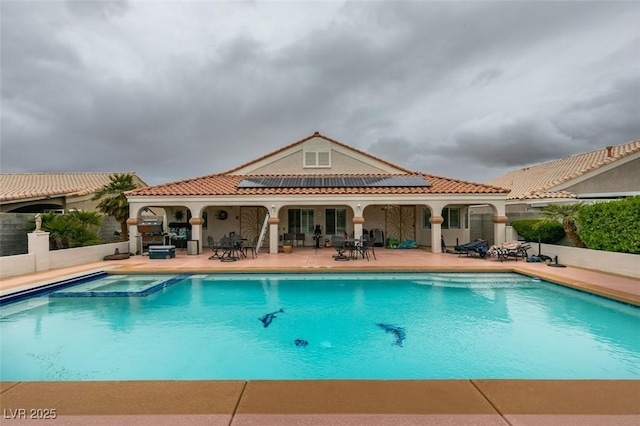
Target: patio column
x=196, y=230
x=499, y=229
x=357, y=226
x=436, y=233
x=274, y=236
x=132, y=223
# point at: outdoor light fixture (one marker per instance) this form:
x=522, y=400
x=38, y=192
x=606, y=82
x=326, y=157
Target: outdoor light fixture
x=273, y=209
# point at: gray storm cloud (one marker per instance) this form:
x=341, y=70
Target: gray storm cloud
x=173, y=90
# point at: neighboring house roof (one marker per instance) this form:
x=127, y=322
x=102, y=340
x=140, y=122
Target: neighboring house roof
x=23, y=186
x=539, y=181
x=226, y=183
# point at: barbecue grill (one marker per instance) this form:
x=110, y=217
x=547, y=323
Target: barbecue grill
x=150, y=231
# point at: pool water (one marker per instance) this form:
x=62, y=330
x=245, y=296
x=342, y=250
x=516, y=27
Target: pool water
x=320, y=326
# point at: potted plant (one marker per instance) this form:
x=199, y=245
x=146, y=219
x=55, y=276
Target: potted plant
x=286, y=246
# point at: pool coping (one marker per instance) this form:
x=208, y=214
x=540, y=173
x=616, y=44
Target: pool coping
x=282, y=402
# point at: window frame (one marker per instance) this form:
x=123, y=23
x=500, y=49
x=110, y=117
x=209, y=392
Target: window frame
x=339, y=221
x=447, y=216
x=296, y=219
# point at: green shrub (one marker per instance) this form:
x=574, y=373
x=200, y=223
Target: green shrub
x=530, y=229
x=612, y=226
x=73, y=229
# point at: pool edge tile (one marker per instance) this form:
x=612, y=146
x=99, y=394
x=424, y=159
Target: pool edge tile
x=5, y=386
x=134, y=420
x=572, y=419
x=562, y=397
x=126, y=397
x=363, y=396
x=368, y=419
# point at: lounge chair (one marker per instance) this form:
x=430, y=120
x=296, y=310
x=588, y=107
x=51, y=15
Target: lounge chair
x=511, y=249
x=478, y=248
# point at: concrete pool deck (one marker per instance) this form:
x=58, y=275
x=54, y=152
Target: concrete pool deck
x=335, y=402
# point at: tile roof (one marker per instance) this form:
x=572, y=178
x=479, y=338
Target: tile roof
x=22, y=186
x=225, y=184
x=315, y=135
x=536, y=182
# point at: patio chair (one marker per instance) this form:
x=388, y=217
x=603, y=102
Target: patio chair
x=253, y=248
x=368, y=247
x=215, y=248
x=339, y=245
x=229, y=250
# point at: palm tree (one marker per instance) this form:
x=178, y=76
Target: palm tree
x=89, y=219
x=62, y=230
x=567, y=214
x=114, y=202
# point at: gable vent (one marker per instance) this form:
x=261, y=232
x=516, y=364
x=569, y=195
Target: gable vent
x=317, y=159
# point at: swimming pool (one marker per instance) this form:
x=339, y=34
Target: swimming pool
x=318, y=326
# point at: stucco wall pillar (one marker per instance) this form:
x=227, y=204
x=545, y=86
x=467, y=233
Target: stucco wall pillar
x=132, y=223
x=499, y=229
x=436, y=233
x=39, y=247
x=274, y=236
x=358, y=221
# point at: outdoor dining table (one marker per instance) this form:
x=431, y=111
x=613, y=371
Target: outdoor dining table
x=354, y=245
x=351, y=245
x=232, y=249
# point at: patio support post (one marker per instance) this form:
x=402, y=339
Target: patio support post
x=132, y=223
x=357, y=226
x=499, y=229
x=274, y=223
x=436, y=233
x=196, y=230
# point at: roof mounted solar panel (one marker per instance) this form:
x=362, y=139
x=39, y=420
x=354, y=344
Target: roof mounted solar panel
x=335, y=182
x=312, y=182
x=399, y=181
x=251, y=183
x=355, y=182
x=291, y=182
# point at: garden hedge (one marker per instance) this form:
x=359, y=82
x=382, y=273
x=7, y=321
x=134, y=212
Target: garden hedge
x=612, y=226
x=530, y=229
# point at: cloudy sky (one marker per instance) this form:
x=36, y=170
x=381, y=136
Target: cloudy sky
x=173, y=90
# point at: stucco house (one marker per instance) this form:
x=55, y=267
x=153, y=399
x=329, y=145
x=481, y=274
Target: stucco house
x=321, y=181
x=58, y=192
x=607, y=173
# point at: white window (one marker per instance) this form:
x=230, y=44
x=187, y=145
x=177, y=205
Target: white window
x=301, y=221
x=450, y=215
x=335, y=221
